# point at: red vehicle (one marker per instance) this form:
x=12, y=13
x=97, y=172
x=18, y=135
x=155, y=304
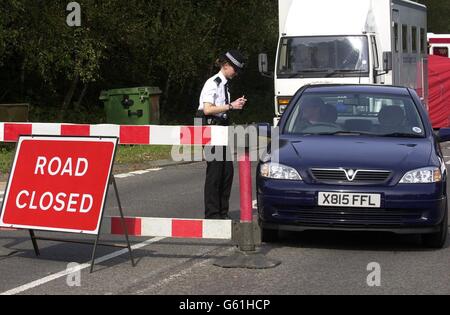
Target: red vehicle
x=439, y=44
x=439, y=80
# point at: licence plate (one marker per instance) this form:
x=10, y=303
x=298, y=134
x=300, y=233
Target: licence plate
x=349, y=200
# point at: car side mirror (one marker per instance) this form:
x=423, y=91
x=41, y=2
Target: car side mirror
x=387, y=61
x=263, y=65
x=444, y=135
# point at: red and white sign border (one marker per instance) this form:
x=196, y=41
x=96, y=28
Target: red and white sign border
x=114, y=140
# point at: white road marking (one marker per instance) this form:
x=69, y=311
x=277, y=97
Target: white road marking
x=154, y=169
x=123, y=175
x=131, y=174
x=65, y=273
x=182, y=273
x=139, y=172
x=255, y=204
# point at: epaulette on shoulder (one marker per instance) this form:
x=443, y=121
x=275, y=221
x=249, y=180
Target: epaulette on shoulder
x=218, y=80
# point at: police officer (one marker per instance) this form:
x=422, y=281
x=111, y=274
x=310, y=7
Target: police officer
x=215, y=108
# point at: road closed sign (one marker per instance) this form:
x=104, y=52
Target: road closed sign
x=59, y=184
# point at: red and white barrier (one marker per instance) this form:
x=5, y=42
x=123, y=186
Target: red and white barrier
x=132, y=135
x=149, y=135
x=170, y=228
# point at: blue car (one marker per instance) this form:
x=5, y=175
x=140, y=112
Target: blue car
x=355, y=158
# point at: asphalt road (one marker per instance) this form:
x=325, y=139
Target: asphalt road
x=312, y=263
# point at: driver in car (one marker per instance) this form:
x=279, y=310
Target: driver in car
x=315, y=111
x=311, y=111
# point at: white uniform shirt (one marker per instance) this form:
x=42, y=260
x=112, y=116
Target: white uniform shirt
x=214, y=92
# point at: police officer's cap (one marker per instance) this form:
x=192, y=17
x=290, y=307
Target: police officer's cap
x=236, y=59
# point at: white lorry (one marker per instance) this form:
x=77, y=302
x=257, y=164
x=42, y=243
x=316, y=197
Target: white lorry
x=348, y=42
x=439, y=44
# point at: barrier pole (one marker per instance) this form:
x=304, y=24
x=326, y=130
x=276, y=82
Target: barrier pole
x=245, y=179
x=246, y=255
x=247, y=238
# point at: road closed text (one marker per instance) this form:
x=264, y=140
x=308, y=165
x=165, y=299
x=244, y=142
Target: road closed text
x=60, y=201
x=59, y=167
x=59, y=184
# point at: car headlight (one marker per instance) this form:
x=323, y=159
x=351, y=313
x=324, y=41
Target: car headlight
x=278, y=171
x=426, y=175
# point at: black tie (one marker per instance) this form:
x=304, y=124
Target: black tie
x=227, y=97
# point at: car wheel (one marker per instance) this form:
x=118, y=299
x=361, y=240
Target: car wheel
x=437, y=240
x=269, y=236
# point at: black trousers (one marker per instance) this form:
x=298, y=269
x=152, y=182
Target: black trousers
x=219, y=181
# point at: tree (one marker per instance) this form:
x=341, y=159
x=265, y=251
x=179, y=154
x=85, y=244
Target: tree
x=438, y=16
x=168, y=43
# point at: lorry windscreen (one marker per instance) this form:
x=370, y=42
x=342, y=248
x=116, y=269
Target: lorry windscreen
x=324, y=56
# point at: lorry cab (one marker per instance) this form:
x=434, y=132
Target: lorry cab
x=348, y=42
x=327, y=59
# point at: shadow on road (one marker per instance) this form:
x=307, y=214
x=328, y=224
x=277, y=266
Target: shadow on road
x=346, y=241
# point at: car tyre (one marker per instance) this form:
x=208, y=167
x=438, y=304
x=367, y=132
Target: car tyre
x=269, y=236
x=437, y=240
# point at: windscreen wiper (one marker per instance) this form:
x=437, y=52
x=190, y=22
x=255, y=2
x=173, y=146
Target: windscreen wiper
x=303, y=71
x=340, y=133
x=344, y=71
x=401, y=135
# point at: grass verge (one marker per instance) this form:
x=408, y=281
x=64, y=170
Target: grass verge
x=126, y=155
x=141, y=154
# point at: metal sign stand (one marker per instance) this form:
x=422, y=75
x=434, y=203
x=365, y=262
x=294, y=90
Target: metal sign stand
x=34, y=239
x=124, y=227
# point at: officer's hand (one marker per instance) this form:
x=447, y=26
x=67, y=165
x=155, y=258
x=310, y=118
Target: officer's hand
x=239, y=103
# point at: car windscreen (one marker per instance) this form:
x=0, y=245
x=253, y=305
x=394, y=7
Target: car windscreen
x=348, y=113
x=324, y=56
